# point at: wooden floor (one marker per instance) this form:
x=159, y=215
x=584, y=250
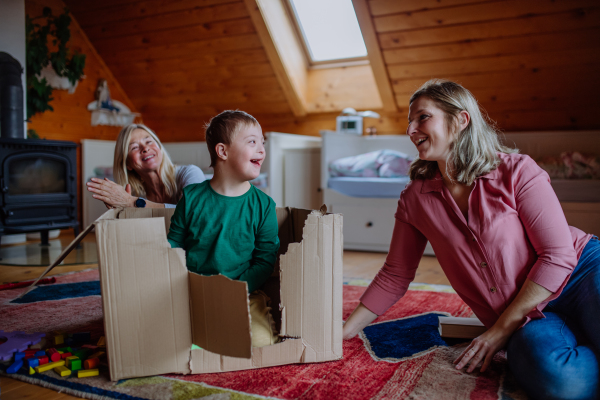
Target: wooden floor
x=357, y=265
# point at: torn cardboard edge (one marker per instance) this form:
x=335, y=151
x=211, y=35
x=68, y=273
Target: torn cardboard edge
x=149, y=322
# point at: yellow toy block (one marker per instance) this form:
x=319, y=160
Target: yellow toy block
x=101, y=342
x=71, y=359
x=59, y=339
x=60, y=352
x=31, y=371
x=97, y=354
x=62, y=371
x=49, y=366
x=84, y=373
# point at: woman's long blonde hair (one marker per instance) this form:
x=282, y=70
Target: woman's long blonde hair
x=473, y=152
x=123, y=176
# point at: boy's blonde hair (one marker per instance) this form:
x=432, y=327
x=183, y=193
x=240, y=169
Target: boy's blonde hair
x=123, y=176
x=473, y=152
x=223, y=128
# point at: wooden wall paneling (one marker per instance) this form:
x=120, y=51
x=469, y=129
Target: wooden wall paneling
x=232, y=63
x=385, y=7
x=179, y=50
x=177, y=35
x=517, y=78
x=374, y=53
x=208, y=16
x=575, y=18
x=480, y=12
x=143, y=88
x=587, y=38
x=283, y=49
x=227, y=99
x=91, y=12
x=333, y=89
x=532, y=61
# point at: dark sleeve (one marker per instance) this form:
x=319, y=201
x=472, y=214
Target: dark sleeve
x=179, y=226
x=264, y=255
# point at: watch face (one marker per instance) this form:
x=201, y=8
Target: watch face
x=140, y=203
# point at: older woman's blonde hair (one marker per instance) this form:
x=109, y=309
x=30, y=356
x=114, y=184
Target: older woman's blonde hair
x=473, y=152
x=123, y=176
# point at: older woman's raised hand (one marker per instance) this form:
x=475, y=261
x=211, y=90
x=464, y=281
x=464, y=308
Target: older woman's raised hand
x=112, y=194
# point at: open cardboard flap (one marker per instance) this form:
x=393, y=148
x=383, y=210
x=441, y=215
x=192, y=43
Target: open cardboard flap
x=220, y=315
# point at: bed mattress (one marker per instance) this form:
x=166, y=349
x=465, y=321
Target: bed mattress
x=369, y=187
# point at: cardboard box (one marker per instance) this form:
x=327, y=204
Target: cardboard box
x=155, y=309
x=460, y=327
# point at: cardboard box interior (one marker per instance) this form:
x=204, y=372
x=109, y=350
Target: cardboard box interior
x=155, y=309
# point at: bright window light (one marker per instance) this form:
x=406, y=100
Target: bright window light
x=330, y=29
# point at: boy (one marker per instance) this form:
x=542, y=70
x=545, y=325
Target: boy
x=226, y=225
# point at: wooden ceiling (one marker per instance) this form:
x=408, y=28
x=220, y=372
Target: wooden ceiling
x=532, y=64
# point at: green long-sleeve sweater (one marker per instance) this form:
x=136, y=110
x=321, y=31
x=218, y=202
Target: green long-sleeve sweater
x=232, y=236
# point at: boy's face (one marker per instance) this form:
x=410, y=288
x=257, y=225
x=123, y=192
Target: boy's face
x=246, y=153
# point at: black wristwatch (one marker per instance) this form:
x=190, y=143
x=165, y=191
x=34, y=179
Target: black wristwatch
x=140, y=202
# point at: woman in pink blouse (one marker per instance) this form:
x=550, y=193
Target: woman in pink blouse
x=502, y=239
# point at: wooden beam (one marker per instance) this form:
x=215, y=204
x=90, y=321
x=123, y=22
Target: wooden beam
x=283, y=50
x=375, y=57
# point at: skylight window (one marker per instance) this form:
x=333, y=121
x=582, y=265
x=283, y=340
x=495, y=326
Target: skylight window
x=330, y=29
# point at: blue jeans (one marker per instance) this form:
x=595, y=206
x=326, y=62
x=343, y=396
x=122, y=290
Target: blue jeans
x=559, y=357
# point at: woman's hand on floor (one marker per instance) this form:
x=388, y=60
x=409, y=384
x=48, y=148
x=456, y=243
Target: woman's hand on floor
x=112, y=194
x=483, y=349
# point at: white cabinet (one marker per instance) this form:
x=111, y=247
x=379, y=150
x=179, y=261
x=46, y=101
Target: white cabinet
x=302, y=178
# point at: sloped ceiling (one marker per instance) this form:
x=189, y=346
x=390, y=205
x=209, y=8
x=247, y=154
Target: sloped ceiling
x=532, y=64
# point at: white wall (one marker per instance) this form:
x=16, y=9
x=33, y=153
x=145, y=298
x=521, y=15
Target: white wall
x=12, y=37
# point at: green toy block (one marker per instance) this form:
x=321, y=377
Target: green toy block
x=75, y=365
x=82, y=354
x=65, y=349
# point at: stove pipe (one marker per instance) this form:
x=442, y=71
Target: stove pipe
x=12, y=121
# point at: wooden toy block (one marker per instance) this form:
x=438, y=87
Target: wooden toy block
x=70, y=359
x=43, y=360
x=40, y=353
x=59, y=339
x=91, y=363
x=82, y=354
x=102, y=342
x=98, y=354
x=31, y=371
x=84, y=373
x=49, y=366
x=15, y=367
x=33, y=362
x=19, y=355
x=62, y=371
x=39, y=345
x=89, y=346
x=65, y=349
x=75, y=365
x=53, y=354
x=30, y=352
x=65, y=355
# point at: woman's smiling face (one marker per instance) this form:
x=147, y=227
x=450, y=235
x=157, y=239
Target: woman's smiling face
x=144, y=154
x=428, y=130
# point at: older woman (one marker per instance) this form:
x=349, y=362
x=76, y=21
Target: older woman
x=502, y=239
x=144, y=173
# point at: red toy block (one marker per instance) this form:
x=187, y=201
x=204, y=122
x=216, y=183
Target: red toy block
x=89, y=346
x=53, y=354
x=43, y=360
x=91, y=363
x=65, y=355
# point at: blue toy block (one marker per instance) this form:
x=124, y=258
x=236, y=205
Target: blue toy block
x=33, y=362
x=15, y=367
x=19, y=356
x=41, y=353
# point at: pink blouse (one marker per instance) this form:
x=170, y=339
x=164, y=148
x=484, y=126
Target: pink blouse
x=516, y=230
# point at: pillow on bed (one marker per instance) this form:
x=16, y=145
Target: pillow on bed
x=380, y=163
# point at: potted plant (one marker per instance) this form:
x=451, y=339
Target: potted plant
x=43, y=61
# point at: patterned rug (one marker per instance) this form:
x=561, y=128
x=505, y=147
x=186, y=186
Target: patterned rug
x=399, y=356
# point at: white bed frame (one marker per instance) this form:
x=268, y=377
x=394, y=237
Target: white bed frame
x=368, y=222
x=96, y=153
